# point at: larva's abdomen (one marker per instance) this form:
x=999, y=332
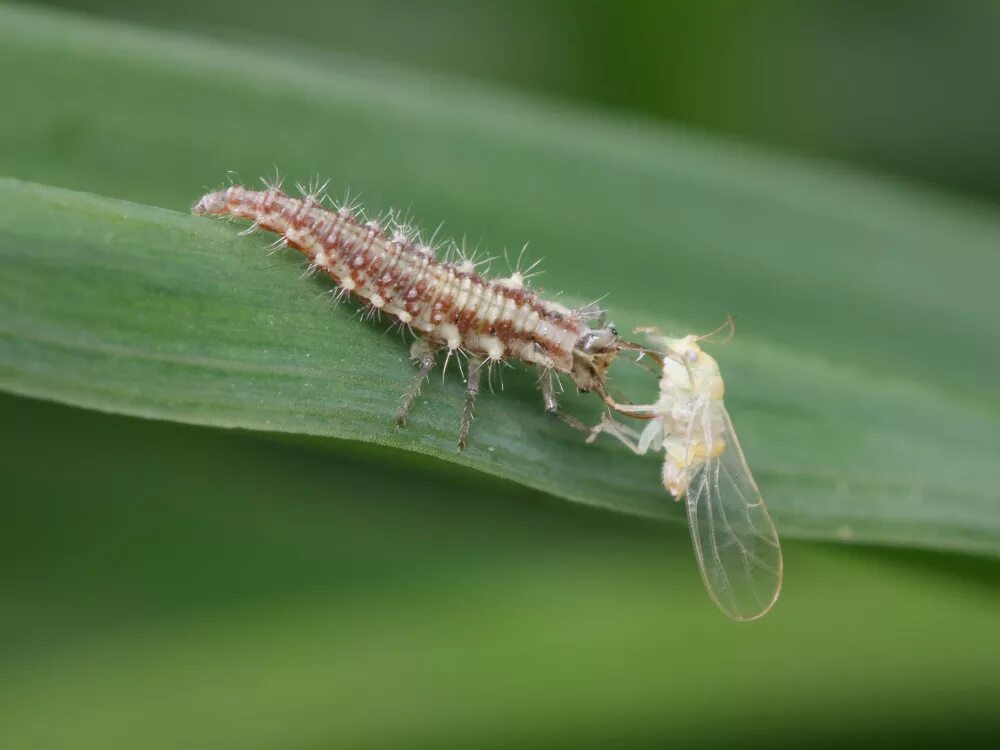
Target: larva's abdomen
x=446, y=303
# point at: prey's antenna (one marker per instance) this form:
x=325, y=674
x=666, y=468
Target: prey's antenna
x=729, y=323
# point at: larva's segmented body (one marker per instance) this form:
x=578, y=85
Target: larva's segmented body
x=446, y=304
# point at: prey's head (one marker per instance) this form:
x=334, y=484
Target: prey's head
x=687, y=366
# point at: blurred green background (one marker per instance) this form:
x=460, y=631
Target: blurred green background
x=170, y=586
x=908, y=87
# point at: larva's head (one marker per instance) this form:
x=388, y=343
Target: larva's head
x=593, y=354
x=210, y=204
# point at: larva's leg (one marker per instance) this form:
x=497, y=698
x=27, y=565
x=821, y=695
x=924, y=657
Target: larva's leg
x=476, y=365
x=547, y=382
x=424, y=354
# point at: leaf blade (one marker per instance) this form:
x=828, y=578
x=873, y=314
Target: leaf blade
x=147, y=312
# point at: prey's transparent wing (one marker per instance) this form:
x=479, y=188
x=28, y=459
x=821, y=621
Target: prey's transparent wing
x=735, y=541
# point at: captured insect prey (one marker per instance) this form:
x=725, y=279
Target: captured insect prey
x=735, y=542
x=446, y=305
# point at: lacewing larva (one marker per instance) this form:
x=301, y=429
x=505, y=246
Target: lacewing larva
x=735, y=541
x=447, y=305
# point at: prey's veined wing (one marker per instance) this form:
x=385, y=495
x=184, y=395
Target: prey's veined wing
x=735, y=541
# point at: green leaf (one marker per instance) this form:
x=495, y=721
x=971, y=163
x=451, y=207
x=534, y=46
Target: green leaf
x=862, y=378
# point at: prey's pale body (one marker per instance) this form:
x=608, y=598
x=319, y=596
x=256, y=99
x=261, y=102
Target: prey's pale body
x=734, y=539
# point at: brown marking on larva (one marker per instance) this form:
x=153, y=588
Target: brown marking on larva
x=373, y=269
x=389, y=262
x=550, y=346
x=332, y=238
x=466, y=322
x=359, y=249
x=268, y=226
x=504, y=331
x=568, y=324
x=443, y=305
x=290, y=210
x=454, y=314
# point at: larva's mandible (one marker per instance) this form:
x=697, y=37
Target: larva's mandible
x=447, y=305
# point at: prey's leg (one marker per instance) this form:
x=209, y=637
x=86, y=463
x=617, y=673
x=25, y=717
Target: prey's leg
x=617, y=430
x=636, y=411
x=476, y=365
x=424, y=354
x=547, y=382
